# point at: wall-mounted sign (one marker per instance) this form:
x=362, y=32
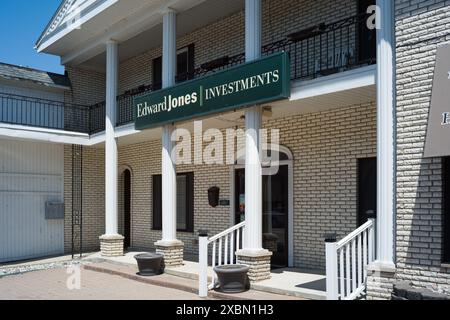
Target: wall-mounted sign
x=252, y=83
x=438, y=133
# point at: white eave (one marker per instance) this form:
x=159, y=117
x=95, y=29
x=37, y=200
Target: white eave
x=130, y=22
x=82, y=34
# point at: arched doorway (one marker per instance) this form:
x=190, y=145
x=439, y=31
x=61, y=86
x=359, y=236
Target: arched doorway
x=126, y=200
x=277, y=197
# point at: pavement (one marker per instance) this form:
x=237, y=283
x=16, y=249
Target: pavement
x=51, y=284
x=94, y=278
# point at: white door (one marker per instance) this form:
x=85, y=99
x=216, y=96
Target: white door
x=31, y=174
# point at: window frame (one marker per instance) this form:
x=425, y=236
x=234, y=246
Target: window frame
x=157, y=64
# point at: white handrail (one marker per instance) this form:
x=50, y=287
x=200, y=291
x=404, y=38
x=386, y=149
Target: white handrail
x=355, y=233
x=224, y=247
x=346, y=263
x=226, y=232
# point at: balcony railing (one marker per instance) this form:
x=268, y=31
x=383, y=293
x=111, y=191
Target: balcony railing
x=317, y=51
x=43, y=113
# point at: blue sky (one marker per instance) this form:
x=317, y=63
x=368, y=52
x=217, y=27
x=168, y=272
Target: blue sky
x=21, y=24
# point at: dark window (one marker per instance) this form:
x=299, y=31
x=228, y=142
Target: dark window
x=367, y=39
x=185, y=67
x=185, y=202
x=367, y=189
x=157, y=73
x=446, y=208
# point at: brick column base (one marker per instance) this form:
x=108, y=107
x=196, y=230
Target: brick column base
x=173, y=253
x=259, y=264
x=380, y=281
x=111, y=245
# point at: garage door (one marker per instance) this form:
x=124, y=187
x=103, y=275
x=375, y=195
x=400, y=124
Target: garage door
x=31, y=174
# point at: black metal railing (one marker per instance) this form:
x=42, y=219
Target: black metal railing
x=316, y=51
x=43, y=113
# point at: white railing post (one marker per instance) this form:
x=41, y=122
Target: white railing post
x=331, y=268
x=373, y=240
x=203, y=265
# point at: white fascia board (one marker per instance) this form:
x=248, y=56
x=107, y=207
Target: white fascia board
x=70, y=28
x=358, y=78
x=46, y=135
x=126, y=130
x=61, y=136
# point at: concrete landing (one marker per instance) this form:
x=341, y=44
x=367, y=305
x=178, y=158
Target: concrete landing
x=174, y=282
x=298, y=283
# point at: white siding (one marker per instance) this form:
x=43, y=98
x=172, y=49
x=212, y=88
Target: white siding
x=30, y=175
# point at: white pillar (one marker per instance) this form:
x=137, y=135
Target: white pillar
x=169, y=188
x=253, y=181
x=385, y=135
x=169, y=176
x=253, y=29
x=169, y=56
x=111, y=153
x=253, y=119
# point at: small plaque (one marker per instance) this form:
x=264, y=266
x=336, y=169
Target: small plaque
x=224, y=202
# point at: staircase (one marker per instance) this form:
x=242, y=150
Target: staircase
x=347, y=261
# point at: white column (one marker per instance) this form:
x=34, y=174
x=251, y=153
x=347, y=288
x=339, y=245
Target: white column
x=253, y=119
x=111, y=169
x=169, y=176
x=385, y=135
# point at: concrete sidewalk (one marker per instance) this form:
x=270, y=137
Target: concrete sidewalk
x=52, y=285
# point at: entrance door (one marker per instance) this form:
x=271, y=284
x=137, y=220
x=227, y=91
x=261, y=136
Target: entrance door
x=275, y=197
x=367, y=189
x=127, y=208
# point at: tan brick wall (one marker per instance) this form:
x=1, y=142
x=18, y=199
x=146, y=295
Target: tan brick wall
x=93, y=197
x=420, y=27
x=325, y=147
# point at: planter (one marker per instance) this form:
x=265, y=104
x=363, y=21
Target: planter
x=232, y=278
x=150, y=264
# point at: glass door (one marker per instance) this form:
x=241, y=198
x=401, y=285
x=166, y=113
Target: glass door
x=275, y=197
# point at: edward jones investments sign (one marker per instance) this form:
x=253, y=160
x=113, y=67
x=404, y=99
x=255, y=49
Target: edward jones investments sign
x=256, y=82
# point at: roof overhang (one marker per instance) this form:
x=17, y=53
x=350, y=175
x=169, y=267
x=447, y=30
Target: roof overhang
x=79, y=34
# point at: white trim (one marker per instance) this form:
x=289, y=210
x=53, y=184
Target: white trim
x=360, y=77
x=42, y=46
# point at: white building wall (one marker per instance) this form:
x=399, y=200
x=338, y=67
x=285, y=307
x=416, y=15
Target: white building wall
x=30, y=175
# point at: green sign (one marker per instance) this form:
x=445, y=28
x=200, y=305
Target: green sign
x=256, y=82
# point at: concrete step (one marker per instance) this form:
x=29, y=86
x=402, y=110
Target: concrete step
x=177, y=282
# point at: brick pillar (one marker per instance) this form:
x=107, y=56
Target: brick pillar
x=258, y=262
x=111, y=245
x=380, y=282
x=173, y=253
